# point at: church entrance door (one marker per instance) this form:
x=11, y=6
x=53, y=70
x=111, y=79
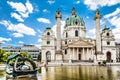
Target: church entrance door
x=108, y=55
x=48, y=56
x=79, y=56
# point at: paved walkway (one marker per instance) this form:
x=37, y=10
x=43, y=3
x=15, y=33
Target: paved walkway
x=2, y=66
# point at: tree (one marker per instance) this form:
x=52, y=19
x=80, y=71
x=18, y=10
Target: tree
x=39, y=56
x=25, y=54
x=5, y=56
x=2, y=52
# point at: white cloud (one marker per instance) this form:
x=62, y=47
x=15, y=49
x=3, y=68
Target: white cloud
x=18, y=28
x=29, y=6
x=38, y=45
x=94, y=4
x=17, y=35
x=40, y=31
x=102, y=22
x=45, y=11
x=117, y=11
x=113, y=2
x=92, y=31
x=78, y=2
x=36, y=8
x=24, y=15
x=16, y=16
x=21, y=42
x=39, y=40
x=51, y=1
x=62, y=27
x=44, y=20
x=87, y=17
x=17, y=6
x=23, y=10
x=114, y=19
x=3, y=40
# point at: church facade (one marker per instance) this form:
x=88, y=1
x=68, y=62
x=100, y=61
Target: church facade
x=74, y=45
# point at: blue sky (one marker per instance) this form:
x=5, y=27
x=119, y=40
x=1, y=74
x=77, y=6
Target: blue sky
x=24, y=21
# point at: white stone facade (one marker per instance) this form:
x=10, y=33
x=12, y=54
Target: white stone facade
x=74, y=46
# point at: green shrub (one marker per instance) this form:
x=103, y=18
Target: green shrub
x=104, y=62
x=99, y=63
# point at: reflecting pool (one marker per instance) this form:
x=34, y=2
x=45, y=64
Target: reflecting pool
x=75, y=73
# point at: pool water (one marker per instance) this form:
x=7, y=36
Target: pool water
x=74, y=73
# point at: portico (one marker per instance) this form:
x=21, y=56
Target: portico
x=81, y=50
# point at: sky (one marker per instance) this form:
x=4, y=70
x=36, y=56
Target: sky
x=24, y=21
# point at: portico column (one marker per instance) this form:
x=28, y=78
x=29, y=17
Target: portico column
x=87, y=54
x=73, y=54
x=70, y=56
x=91, y=53
x=83, y=54
x=77, y=54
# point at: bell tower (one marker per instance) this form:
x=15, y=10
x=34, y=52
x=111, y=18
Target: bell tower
x=97, y=18
x=58, y=30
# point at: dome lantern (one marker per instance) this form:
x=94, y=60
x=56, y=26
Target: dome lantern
x=73, y=11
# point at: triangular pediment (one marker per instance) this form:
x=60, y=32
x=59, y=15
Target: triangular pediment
x=81, y=43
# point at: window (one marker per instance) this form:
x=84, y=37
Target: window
x=48, y=33
x=65, y=51
x=48, y=42
x=76, y=33
x=81, y=24
x=76, y=22
x=108, y=43
x=65, y=42
x=66, y=34
x=79, y=50
x=107, y=34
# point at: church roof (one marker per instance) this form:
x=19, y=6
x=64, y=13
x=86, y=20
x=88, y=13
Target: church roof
x=48, y=28
x=106, y=29
x=74, y=19
x=81, y=43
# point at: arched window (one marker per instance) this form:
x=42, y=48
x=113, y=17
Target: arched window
x=107, y=34
x=108, y=43
x=66, y=34
x=48, y=33
x=76, y=22
x=48, y=56
x=48, y=42
x=108, y=56
x=65, y=51
x=76, y=33
x=65, y=42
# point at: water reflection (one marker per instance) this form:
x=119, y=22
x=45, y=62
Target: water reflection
x=80, y=73
x=75, y=73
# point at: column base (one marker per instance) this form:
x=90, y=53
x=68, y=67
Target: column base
x=70, y=61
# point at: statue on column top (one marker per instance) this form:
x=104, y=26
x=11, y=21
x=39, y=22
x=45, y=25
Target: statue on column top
x=58, y=14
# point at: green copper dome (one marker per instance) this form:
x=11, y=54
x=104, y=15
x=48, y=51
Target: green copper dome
x=74, y=19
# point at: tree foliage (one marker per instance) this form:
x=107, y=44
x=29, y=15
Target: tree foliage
x=5, y=56
x=2, y=52
x=25, y=54
x=39, y=56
